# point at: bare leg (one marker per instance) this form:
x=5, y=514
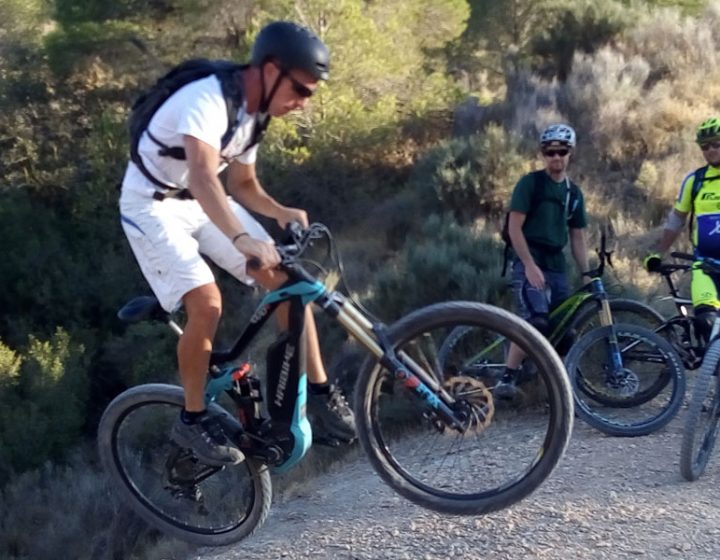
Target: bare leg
x=203, y=306
x=330, y=416
x=271, y=280
x=515, y=357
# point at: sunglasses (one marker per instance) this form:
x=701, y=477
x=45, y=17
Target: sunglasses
x=552, y=153
x=299, y=88
x=707, y=145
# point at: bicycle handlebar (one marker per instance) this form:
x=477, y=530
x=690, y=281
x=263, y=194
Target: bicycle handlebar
x=666, y=269
x=682, y=256
x=293, y=243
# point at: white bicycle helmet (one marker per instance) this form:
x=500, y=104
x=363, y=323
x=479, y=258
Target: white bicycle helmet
x=558, y=133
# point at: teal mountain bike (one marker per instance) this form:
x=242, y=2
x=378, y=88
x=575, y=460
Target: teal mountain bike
x=433, y=435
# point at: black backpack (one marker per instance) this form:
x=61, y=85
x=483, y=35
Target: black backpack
x=537, y=196
x=189, y=71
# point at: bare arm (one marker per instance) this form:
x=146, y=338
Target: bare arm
x=578, y=247
x=520, y=246
x=203, y=161
x=669, y=236
x=517, y=237
x=244, y=187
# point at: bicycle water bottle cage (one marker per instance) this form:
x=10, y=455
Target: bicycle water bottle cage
x=143, y=308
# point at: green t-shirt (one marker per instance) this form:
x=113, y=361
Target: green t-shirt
x=546, y=224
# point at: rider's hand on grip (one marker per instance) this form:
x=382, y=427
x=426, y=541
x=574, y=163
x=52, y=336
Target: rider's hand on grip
x=652, y=262
x=292, y=233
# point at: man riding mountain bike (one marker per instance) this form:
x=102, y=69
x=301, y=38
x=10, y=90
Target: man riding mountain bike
x=175, y=210
x=699, y=196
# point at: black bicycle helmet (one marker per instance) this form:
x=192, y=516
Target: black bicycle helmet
x=292, y=47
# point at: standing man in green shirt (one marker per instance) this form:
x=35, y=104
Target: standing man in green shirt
x=546, y=210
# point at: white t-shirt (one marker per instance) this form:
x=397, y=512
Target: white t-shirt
x=198, y=109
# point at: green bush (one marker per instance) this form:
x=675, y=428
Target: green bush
x=446, y=262
x=43, y=414
x=473, y=176
x=579, y=26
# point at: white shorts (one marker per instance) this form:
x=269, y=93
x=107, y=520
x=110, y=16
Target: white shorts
x=169, y=238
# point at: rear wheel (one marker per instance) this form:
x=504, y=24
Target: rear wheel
x=487, y=365
x=636, y=399
x=505, y=448
x=166, y=485
x=701, y=424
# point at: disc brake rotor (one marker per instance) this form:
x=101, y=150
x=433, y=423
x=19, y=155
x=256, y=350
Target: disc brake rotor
x=625, y=384
x=472, y=398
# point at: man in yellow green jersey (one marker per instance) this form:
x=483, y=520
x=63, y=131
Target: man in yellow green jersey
x=700, y=197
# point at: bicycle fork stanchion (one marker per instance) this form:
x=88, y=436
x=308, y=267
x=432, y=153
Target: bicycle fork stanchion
x=614, y=354
x=403, y=367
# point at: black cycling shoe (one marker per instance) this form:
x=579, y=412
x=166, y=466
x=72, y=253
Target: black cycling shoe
x=507, y=387
x=330, y=416
x=207, y=441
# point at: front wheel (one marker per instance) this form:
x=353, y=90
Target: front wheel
x=630, y=394
x=701, y=423
x=507, y=447
x=165, y=484
x=623, y=310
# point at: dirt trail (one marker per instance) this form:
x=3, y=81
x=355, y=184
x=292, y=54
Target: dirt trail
x=608, y=499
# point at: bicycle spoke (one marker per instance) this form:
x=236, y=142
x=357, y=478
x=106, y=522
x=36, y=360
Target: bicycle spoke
x=635, y=396
x=172, y=482
x=485, y=457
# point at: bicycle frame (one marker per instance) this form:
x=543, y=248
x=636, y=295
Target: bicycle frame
x=561, y=316
x=689, y=347
x=286, y=375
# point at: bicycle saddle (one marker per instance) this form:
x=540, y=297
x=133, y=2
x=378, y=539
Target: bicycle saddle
x=143, y=308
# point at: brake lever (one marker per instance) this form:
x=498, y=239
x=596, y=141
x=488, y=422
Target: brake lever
x=608, y=256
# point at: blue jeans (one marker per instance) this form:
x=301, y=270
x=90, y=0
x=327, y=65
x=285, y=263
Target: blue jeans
x=531, y=302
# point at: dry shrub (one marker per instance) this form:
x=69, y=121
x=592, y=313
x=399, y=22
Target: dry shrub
x=604, y=95
x=674, y=45
x=533, y=105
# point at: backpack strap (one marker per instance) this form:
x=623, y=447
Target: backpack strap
x=234, y=99
x=571, y=198
x=698, y=180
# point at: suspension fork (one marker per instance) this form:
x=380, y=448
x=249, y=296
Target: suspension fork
x=606, y=320
x=405, y=369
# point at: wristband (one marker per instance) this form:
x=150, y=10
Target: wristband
x=238, y=236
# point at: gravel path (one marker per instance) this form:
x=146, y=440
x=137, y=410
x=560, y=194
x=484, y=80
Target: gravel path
x=608, y=499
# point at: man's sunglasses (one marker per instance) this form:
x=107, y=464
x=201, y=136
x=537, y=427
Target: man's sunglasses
x=707, y=145
x=552, y=153
x=299, y=88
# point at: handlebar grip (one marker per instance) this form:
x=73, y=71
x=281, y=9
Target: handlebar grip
x=292, y=233
x=683, y=256
x=253, y=263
